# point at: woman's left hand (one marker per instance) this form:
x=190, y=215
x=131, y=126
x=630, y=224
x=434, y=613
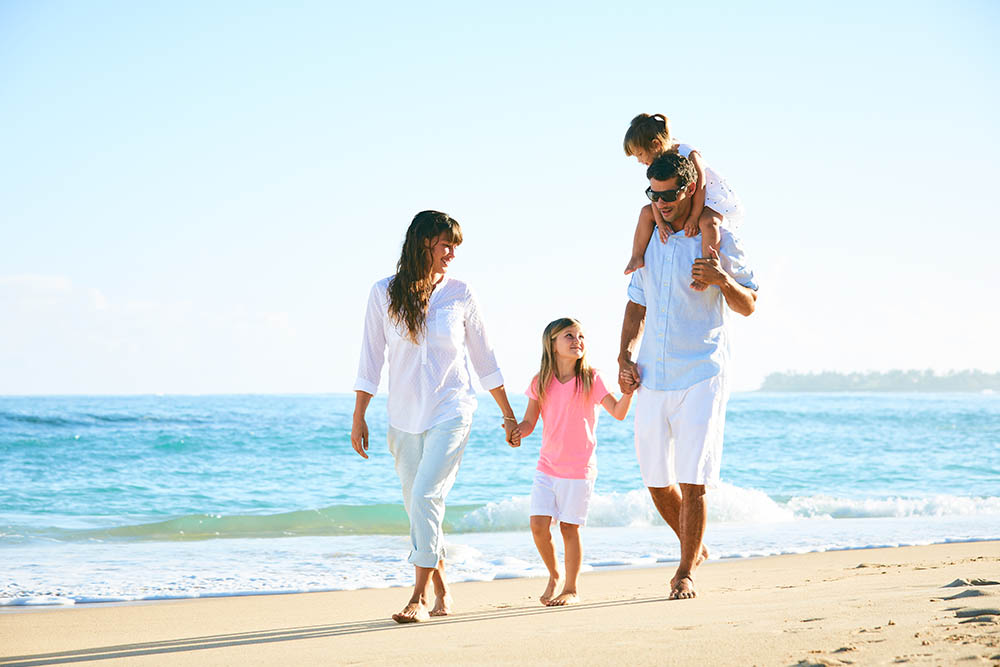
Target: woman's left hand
x=512, y=433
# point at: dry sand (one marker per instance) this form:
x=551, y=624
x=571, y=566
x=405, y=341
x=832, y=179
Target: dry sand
x=875, y=606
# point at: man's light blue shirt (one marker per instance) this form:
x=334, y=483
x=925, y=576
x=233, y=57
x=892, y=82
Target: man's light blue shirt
x=686, y=339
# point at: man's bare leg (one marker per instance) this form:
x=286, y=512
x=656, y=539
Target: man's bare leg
x=574, y=557
x=692, y=530
x=442, y=596
x=542, y=533
x=416, y=609
x=667, y=500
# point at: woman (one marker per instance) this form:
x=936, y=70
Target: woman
x=430, y=324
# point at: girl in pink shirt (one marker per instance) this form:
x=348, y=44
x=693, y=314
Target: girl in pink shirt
x=567, y=394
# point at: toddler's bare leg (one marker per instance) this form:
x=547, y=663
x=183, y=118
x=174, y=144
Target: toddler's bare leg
x=643, y=230
x=710, y=224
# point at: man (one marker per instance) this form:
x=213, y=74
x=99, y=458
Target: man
x=681, y=368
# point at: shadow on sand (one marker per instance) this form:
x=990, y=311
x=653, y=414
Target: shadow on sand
x=291, y=634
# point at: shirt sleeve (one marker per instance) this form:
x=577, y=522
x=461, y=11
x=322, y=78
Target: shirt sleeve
x=598, y=390
x=636, y=289
x=532, y=391
x=372, y=342
x=481, y=353
x=734, y=260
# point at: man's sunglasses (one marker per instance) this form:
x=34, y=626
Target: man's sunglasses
x=665, y=195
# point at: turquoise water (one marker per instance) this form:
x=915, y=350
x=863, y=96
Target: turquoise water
x=164, y=481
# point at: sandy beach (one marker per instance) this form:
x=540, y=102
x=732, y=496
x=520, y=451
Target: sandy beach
x=937, y=604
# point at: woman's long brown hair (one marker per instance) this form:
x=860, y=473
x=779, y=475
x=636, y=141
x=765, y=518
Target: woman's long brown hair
x=410, y=289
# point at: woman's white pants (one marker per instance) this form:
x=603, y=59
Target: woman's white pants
x=427, y=464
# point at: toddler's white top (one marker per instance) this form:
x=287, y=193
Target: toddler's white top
x=429, y=381
x=718, y=195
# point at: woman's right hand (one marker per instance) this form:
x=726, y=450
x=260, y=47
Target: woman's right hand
x=359, y=436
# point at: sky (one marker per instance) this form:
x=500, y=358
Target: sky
x=196, y=197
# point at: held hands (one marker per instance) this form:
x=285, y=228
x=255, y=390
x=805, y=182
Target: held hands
x=708, y=271
x=359, y=436
x=512, y=432
x=628, y=376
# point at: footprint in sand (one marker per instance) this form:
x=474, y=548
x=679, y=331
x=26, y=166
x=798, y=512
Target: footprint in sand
x=971, y=582
x=989, y=615
x=971, y=593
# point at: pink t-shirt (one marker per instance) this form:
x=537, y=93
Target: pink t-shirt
x=569, y=423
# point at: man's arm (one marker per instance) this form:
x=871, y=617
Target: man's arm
x=740, y=299
x=628, y=372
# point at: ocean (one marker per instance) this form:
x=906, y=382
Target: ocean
x=157, y=497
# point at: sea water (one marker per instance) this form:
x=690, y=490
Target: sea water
x=153, y=497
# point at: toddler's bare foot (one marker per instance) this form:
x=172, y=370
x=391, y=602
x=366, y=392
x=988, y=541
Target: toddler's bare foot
x=698, y=286
x=413, y=612
x=442, y=605
x=635, y=264
x=563, y=599
x=549, y=590
x=683, y=588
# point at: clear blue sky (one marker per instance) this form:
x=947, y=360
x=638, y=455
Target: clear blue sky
x=196, y=197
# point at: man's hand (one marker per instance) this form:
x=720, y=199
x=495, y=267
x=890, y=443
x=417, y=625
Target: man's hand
x=359, y=436
x=708, y=270
x=628, y=376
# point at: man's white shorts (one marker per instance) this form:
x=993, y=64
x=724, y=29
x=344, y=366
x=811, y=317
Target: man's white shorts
x=678, y=433
x=565, y=500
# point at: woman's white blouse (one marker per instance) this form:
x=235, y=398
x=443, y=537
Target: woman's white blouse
x=429, y=381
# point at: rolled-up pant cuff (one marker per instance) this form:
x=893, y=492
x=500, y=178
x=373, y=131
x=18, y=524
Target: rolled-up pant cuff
x=427, y=559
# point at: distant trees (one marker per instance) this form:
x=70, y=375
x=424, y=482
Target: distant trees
x=895, y=380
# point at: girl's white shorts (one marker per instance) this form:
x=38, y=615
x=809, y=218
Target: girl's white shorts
x=565, y=500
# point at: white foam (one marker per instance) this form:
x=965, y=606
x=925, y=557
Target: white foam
x=826, y=507
x=37, y=601
x=68, y=573
x=634, y=508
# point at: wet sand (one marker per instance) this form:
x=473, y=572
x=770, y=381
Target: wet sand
x=872, y=606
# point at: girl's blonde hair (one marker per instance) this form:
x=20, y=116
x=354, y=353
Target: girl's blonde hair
x=410, y=289
x=584, y=379
x=646, y=129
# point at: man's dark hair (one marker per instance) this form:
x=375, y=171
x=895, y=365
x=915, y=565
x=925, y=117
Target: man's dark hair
x=669, y=165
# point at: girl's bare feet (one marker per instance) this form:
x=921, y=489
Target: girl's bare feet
x=563, y=599
x=442, y=605
x=413, y=612
x=550, y=590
